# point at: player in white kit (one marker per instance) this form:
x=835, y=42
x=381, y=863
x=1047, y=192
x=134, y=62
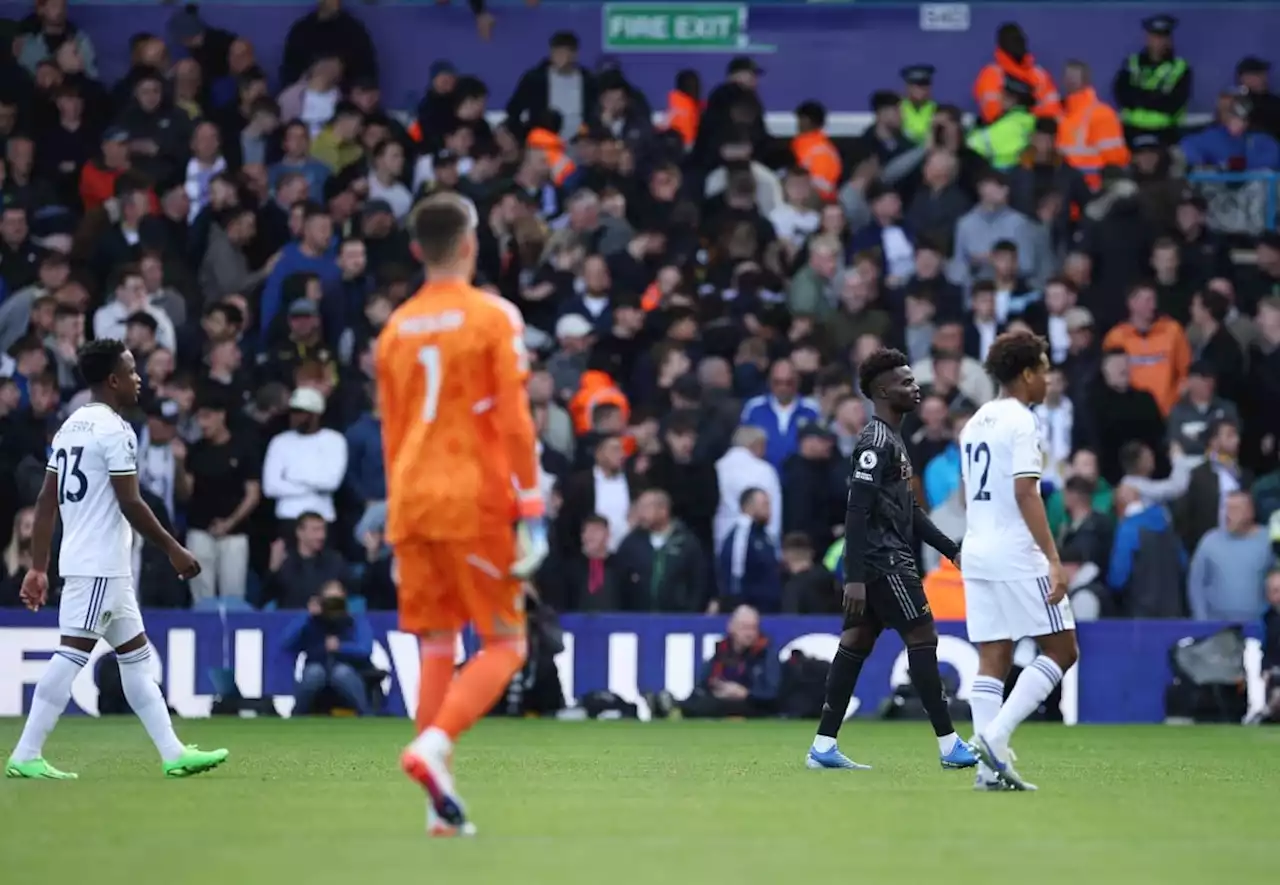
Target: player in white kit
x=91, y=480
x=1014, y=584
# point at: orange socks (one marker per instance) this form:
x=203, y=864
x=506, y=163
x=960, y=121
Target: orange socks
x=482, y=681
x=435, y=677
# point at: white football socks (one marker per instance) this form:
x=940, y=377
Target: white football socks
x=1034, y=684
x=148, y=704
x=823, y=744
x=53, y=691
x=985, y=698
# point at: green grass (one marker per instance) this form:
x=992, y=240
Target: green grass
x=318, y=802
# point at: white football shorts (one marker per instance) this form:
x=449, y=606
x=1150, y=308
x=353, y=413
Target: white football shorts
x=996, y=610
x=104, y=608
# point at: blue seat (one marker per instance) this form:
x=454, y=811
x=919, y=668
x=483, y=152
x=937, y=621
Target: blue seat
x=357, y=605
x=232, y=604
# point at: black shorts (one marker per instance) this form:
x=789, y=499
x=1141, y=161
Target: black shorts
x=896, y=601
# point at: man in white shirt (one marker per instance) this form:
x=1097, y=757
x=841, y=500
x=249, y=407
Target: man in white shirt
x=744, y=467
x=109, y=321
x=385, y=183
x=305, y=465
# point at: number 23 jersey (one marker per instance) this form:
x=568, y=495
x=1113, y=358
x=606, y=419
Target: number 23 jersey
x=93, y=445
x=999, y=444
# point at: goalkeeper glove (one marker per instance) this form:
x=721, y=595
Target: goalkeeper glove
x=531, y=547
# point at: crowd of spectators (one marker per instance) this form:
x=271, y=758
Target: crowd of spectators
x=698, y=296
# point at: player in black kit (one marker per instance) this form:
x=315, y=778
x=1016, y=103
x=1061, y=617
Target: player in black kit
x=882, y=583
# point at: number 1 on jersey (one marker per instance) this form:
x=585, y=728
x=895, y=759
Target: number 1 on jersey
x=973, y=454
x=429, y=359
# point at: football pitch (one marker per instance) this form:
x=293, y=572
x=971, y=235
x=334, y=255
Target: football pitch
x=323, y=801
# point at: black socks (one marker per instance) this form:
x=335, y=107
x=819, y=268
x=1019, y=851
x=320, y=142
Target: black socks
x=923, y=661
x=841, y=680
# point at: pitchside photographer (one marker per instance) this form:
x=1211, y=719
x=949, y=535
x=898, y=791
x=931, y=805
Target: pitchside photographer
x=338, y=645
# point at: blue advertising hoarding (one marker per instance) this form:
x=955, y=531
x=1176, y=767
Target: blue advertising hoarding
x=1121, y=676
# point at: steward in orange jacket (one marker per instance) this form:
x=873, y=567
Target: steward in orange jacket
x=1159, y=355
x=1013, y=60
x=595, y=388
x=1090, y=136
x=543, y=137
x=814, y=151
x=685, y=106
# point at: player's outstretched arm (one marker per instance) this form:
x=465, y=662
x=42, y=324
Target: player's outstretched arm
x=144, y=522
x=932, y=535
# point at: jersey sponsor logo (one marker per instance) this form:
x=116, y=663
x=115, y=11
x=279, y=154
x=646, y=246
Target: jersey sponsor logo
x=865, y=477
x=867, y=460
x=906, y=466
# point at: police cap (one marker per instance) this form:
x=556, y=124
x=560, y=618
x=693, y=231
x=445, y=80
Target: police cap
x=918, y=75
x=1162, y=25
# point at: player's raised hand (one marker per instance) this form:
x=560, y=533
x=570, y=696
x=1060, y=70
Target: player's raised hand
x=855, y=597
x=184, y=563
x=35, y=590
x=1057, y=582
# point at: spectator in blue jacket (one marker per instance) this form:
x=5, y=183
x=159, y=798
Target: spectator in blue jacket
x=781, y=413
x=887, y=233
x=750, y=572
x=365, y=474
x=338, y=647
x=742, y=677
x=315, y=253
x=1137, y=519
x=1230, y=145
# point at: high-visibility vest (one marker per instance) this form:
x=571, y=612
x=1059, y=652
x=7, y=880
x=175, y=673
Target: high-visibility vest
x=557, y=160
x=988, y=88
x=595, y=388
x=816, y=155
x=683, y=116
x=1090, y=136
x=916, y=121
x=1003, y=142
x=1160, y=78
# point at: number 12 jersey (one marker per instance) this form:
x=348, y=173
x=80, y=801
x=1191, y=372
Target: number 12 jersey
x=999, y=444
x=93, y=445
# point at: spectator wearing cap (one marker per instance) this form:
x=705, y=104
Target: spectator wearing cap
x=297, y=159
x=1158, y=191
x=1199, y=407
x=328, y=31
x=1090, y=137
x=1013, y=61
x=47, y=30
x=574, y=334
x=337, y=145
x=305, y=339
x=110, y=320
x=159, y=133
x=1002, y=141
x=1152, y=88
x=986, y=224
x=918, y=107
x=162, y=455
x=748, y=566
x=814, y=151
x=314, y=253
x=813, y=498
x=1251, y=76
x=1231, y=145
x=305, y=465
x=556, y=83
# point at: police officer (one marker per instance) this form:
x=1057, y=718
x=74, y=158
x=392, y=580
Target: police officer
x=1152, y=88
x=1001, y=144
x=918, y=107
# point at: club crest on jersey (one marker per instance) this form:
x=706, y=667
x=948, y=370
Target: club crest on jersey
x=867, y=460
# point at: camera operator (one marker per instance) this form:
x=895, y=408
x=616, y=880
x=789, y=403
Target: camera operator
x=338, y=647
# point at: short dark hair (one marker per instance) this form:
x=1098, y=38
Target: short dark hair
x=748, y=494
x=1013, y=353
x=595, y=519
x=886, y=359
x=97, y=360
x=1005, y=246
x=797, y=541
x=304, y=517
x=1216, y=304
x=683, y=421
x=983, y=287
x=1080, y=486
x=1130, y=453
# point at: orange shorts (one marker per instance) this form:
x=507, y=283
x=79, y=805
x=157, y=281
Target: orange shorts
x=444, y=585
